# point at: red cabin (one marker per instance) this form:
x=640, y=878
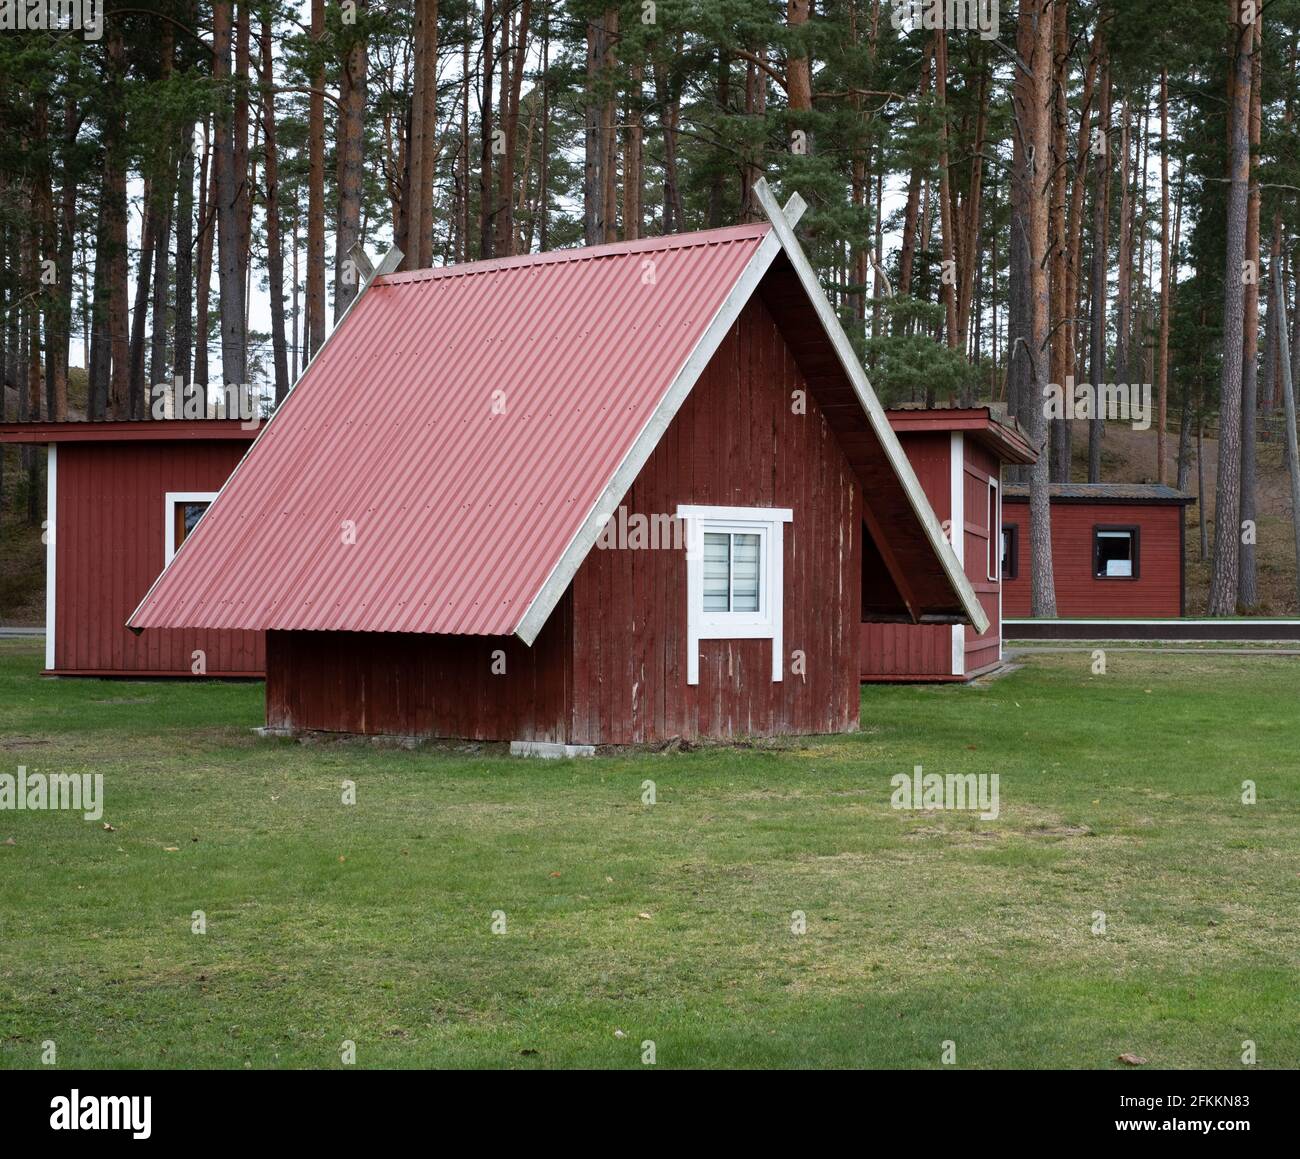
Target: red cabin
x=958, y=455
x=122, y=497
x=1117, y=550
x=609, y=495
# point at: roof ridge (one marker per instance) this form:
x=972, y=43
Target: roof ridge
x=676, y=241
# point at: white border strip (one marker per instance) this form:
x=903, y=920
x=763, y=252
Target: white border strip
x=51, y=548
x=584, y=539
x=957, y=522
x=782, y=227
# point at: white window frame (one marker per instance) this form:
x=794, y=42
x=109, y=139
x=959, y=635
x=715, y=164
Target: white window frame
x=170, y=499
x=994, y=554
x=768, y=523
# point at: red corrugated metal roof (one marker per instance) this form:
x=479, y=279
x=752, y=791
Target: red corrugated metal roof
x=461, y=512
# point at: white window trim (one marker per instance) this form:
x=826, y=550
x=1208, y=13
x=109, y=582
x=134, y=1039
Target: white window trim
x=766, y=624
x=170, y=499
x=995, y=531
x=51, y=550
x=957, y=536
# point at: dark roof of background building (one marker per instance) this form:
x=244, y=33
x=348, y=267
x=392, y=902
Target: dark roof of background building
x=1104, y=493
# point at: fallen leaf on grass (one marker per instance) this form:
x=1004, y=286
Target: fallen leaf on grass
x=10, y=841
x=644, y=917
x=109, y=828
x=1132, y=1059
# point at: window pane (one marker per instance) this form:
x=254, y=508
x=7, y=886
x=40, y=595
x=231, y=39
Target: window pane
x=192, y=513
x=717, y=571
x=1114, y=553
x=744, y=562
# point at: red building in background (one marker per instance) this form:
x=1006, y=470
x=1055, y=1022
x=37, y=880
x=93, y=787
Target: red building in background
x=958, y=455
x=122, y=497
x=1117, y=550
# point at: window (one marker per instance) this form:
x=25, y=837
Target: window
x=996, y=551
x=733, y=578
x=731, y=571
x=1114, y=552
x=1010, y=550
x=182, y=511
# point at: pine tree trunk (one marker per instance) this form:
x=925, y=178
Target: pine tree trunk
x=948, y=277
x=115, y=162
x=485, y=209
x=230, y=280
x=907, y=252
x=593, y=174
x=1124, y=277
x=1031, y=105
x=1224, y=573
x=1060, y=324
x=1248, y=579
x=609, y=134
x=798, y=84
x=514, y=58
x=633, y=156
x=1162, y=417
x=207, y=240
x=274, y=250
x=158, y=364
x=140, y=310
x=183, y=332
x=243, y=199
x=352, y=104
x=1100, y=247
x=315, y=328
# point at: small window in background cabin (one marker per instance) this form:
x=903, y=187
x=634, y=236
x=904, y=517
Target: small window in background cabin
x=187, y=516
x=731, y=571
x=1115, y=554
x=1010, y=550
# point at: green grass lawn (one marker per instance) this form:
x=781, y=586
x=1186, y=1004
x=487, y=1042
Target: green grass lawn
x=670, y=923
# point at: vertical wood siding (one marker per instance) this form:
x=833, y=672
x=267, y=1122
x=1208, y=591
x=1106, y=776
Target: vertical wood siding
x=1156, y=593
x=403, y=684
x=736, y=441
x=982, y=649
x=111, y=548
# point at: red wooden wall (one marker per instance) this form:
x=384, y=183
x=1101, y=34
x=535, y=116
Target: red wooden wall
x=610, y=665
x=398, y=684
x=110, y=548
x=925, y=651
x=985, y=649
x=736, y=441
x=1156, y=593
